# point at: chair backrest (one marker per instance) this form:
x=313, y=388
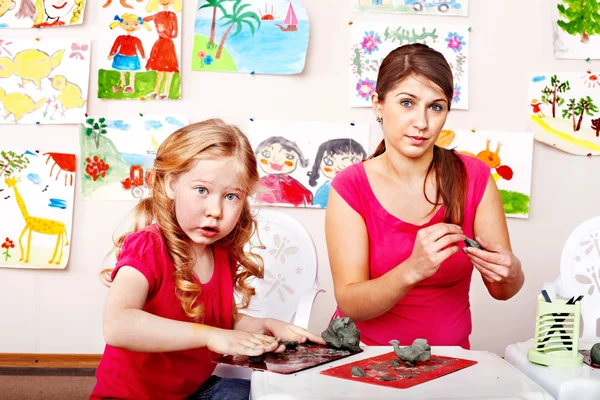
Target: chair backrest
x=580, y=273
x=290, y=260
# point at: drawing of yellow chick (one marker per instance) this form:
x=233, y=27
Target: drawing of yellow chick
x=6, y=6
x=31, y=65
x=70, y=94
x=19, y=104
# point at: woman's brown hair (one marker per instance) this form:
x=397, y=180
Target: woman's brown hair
x=420, y=59
x=176, y=155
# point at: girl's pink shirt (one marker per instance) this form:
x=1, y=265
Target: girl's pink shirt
x=437, y=308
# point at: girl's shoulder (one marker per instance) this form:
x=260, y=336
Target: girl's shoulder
x=145, y=239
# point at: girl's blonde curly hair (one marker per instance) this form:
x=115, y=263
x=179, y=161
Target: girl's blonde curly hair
x=176, y=155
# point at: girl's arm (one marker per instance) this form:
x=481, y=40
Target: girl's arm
x=127, y=326
x=281, y=330
x=360, y=297
x=140, y=48
x=116, y=46
x=175, y=30
x=499, y=267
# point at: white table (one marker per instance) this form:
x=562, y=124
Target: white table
x=491, y=378
x=582, y=383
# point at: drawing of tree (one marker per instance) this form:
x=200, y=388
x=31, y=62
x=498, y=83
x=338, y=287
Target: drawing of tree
x=11, y=162
x=596, y=126
x=582, y=17
x=585, y=106
x=96, y=128
x=402, y=35
x=215, y=4
x=551, y=95
x=572, y=111
x=237, y=18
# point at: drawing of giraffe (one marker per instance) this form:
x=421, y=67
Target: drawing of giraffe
x=39, y=225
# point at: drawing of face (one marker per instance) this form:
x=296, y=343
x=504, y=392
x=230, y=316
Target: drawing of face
x=6, y=5
x=130, y=25
x=165, y=3
x=58, y=8
x=274, y=159
x=332, y=164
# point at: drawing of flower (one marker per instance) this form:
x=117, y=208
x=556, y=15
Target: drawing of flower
x=370, y=42
x=7, y=245
x=365, y=88
x=205, y=59
x=201, y=54
x=456, y=96
x=208, y=60
x=96, y=168
x=77, y=51
x=455, y=42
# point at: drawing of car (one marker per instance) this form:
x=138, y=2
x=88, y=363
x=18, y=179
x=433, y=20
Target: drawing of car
x=441, y=5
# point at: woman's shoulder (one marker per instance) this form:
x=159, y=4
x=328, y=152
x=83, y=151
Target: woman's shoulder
x=474, y=166
x=351, y=174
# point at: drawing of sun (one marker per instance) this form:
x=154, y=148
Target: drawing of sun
x=591, y=80
x=268, y=16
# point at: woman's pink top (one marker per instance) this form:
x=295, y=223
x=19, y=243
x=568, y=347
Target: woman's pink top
x=437, y=308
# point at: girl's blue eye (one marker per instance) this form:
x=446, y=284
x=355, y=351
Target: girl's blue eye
x=266, y=154
x=232, y=197
x=202, y=190
x=437, y=107
x=406, y=103
x=328, y=162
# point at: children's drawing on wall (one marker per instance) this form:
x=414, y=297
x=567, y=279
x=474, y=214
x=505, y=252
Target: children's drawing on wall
x=564, y=111
x=297, y=160
x=142, y=61
x=43, y=81
x=509, y=156
x=41, y=13
x=372, y=42
x=251, y=36
x=577, y=29
x=117, y=155
x=36, y=195
x=426, y=7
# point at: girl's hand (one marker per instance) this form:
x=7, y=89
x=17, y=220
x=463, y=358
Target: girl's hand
x=110, y=57
x=433, y=246
x=239, y=343
x=496, y=264
x=287, y=332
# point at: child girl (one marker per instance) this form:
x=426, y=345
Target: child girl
x=50, y=12
x=124, y=51
x=170, y=306
x=333, y=157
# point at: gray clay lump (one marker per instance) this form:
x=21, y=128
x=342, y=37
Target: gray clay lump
x=418, y=351
x=342, y=334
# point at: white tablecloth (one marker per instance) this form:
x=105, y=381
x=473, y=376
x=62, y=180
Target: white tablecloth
x=491, y=378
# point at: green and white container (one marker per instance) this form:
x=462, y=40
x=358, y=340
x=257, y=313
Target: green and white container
x=556, y=334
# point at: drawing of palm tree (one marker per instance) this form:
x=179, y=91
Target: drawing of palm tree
x=237, y=18
x=215, y=4
x=587, y=106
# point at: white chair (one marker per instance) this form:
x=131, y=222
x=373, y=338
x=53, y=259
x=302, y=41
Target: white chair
x=579, y=275
x=290, y=284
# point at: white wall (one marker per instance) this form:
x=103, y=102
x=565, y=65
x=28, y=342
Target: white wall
x=60, y=311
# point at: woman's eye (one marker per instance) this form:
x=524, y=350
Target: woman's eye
x=289, y=156
x=266, y=154
x=328, y=162
x=202, y=190
x=406, y=103
x=437, y=107
x=232, y=197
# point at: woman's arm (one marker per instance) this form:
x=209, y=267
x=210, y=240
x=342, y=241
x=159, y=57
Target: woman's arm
x=499, y=267
x=360, y=297
x=127, y=326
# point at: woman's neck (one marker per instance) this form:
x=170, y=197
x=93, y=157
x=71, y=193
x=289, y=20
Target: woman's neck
x=405, y=168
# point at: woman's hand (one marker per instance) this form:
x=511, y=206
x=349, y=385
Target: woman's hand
x=496, y=264
x=287, y=332
x=239, y=343
x=433, y=246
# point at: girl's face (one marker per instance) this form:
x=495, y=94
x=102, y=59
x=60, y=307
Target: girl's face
x=58, y=8
x=414, y=113
x=208, y=199
x=165, y=3
x=332, y=164
x=131, y=26
x=6, y=5
x=274, y=159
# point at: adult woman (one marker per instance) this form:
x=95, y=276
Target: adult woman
x=394, y=223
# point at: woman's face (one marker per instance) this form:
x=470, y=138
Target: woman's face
x=274, y=159
x=165, y=3
x=414, y=113
x=58, y=8
x=332, y=164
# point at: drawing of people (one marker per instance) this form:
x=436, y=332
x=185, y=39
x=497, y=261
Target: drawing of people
x=50, y=12
x=536, y=108
x=279, y=157
x=163, y=57
x=124, y=51
x=333, y=156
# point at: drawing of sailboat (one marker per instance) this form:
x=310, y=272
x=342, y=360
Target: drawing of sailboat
x=290, y=20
